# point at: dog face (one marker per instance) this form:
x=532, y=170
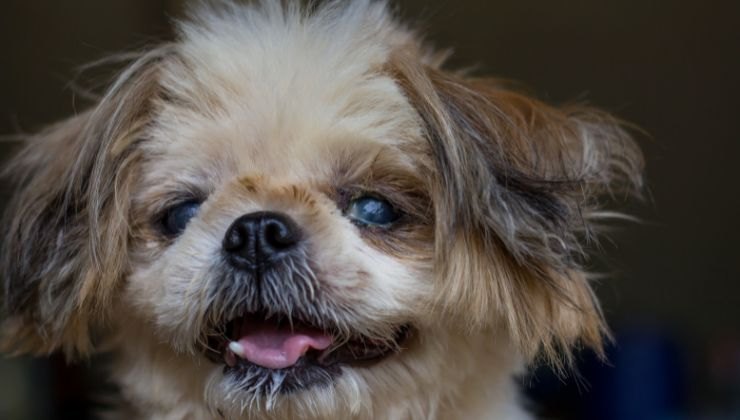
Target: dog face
x=292, y=209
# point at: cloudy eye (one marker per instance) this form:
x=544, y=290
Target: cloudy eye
x=177, y=217
x=372, y=211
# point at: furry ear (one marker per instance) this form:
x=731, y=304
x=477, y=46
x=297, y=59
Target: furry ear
x=516, y=186
x=65, y=247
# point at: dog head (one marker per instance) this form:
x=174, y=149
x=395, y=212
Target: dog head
x=298, y=206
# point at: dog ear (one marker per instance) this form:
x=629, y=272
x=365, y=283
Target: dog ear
x=516, y=185
x=65, y=245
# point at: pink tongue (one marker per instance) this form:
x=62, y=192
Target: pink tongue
x=274, y=347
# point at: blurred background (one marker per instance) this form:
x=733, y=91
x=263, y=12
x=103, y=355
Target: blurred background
x=672, y=67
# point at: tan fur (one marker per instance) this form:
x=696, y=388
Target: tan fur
x=272, y=107
x=517, y=212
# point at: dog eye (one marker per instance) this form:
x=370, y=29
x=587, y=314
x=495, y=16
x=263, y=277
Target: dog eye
x=372, y=211
x=177, y=217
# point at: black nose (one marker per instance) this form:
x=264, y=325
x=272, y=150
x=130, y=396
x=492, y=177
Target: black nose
x=258, y=239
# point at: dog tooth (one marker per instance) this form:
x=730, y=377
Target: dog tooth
x=237, y=349
x=229, y=358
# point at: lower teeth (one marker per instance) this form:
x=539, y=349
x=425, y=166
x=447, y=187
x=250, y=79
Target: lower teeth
x=230, y=358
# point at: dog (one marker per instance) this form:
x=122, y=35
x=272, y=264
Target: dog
x=296, y=212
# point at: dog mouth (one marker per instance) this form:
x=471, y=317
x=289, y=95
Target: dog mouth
x=273, y=344
x=258, y=346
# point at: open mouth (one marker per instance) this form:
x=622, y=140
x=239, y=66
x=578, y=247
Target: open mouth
x=257, y=347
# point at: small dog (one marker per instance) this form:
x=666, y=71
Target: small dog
x=293, y=212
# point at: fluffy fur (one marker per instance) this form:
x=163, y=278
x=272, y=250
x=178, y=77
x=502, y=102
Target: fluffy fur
x=297, y=109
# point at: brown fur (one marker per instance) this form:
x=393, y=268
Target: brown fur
x=522, y=205
x=67, y=244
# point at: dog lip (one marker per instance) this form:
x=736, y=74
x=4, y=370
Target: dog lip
x=364, y=352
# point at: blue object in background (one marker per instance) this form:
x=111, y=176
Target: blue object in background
x=643, y=378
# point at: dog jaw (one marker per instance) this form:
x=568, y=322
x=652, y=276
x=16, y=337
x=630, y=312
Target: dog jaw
x=446, y=376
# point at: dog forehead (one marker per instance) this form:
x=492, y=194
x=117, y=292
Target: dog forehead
x=273, y=131
x=269, y=96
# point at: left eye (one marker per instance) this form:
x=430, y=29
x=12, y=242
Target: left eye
x=177, y=217
x=372, y=211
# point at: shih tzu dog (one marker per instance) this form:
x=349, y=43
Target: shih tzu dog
x=294, y=212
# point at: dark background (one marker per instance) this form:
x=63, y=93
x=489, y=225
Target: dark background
x=671, y=67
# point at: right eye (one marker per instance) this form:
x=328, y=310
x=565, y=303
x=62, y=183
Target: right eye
x=177, y=217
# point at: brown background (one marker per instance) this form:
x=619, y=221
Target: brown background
x=670, y=66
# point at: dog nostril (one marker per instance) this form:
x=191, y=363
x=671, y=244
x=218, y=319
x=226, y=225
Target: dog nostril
x=258, y=238
x=235, y=238
x=280, y=233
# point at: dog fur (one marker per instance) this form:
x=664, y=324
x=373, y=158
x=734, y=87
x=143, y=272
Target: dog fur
x=297, y=109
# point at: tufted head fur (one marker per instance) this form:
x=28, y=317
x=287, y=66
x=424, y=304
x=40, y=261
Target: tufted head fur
x=330, y=116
